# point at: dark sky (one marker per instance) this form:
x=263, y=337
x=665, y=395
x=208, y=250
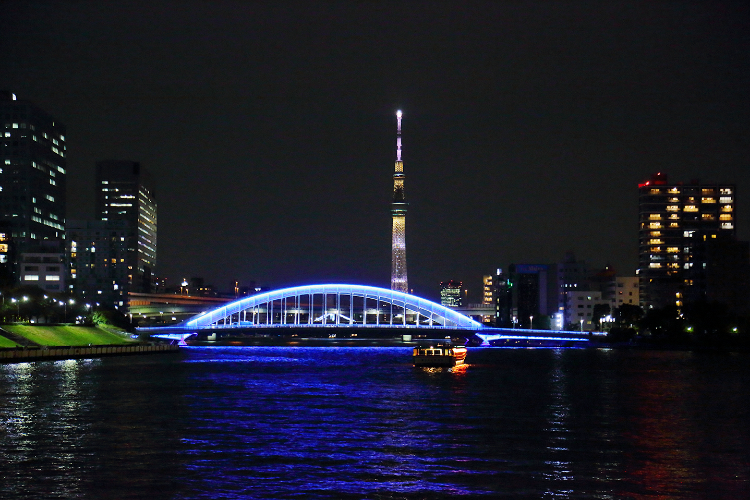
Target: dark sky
x=270, y=127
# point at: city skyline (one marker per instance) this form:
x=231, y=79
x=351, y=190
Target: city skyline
x=268, y=129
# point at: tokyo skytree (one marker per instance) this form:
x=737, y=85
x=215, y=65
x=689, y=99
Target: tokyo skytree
x=399, y=281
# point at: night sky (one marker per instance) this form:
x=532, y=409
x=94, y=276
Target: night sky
x=270, y=127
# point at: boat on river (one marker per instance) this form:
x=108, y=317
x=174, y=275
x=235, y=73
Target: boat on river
x=439, y=355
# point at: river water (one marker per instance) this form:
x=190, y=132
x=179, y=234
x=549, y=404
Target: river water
x=286, y=422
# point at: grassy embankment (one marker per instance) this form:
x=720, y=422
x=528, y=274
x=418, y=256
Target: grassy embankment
x=66, y=335
x=7, y=343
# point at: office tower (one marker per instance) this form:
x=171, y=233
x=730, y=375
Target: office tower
x=450, y=293
x=399, y=280
x=32, y=180
x=125, y=192
x=674, y=217
x=503, y=300
x=533, y=290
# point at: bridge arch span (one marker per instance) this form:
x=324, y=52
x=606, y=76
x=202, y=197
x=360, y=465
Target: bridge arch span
x=331, y=305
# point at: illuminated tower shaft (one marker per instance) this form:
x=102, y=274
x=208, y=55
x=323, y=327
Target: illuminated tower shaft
x=398, y=212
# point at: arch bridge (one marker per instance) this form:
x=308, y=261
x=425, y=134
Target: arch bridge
x=330, y=305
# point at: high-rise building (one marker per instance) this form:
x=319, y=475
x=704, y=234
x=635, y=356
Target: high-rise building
x=399, y=280
x=503, y=300
x=125, y=192
x=450, y=293
x=100, y=260
x=673, y=217
x=32, y=180
x=533, y=289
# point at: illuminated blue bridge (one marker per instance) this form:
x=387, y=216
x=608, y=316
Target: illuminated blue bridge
x=330, y=305
x=344, y=306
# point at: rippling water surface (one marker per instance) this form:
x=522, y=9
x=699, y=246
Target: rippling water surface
x=283, y=422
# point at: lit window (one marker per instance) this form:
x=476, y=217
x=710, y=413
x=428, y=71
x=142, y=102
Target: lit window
x=727, y=225
x=691, y=208
x=708, y=200
x=656, y=191
x=655, y=225
x=49, y=197
x=31, y=277
x=725, y=199
x=53, y=277
x=673, y=208
x=654, y=216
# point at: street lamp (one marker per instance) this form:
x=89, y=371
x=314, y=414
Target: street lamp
x=531, y=322
x=581, y=325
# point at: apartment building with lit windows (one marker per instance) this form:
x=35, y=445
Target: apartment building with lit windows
x=673, y=218
x=32, y=179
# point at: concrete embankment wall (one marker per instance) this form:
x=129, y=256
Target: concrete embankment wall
x=20, y=355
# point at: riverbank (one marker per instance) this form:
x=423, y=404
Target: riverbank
x=24, y=354
x=22, y=343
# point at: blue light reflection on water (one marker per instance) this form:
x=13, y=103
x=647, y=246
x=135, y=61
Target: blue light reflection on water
x=268, y=422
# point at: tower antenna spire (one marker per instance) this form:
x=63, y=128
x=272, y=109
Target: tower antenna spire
x=399, y=280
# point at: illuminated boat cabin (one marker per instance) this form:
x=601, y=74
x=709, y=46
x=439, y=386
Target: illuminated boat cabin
x=439, y=355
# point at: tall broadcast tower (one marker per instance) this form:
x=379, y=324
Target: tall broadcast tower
x=398, y=212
